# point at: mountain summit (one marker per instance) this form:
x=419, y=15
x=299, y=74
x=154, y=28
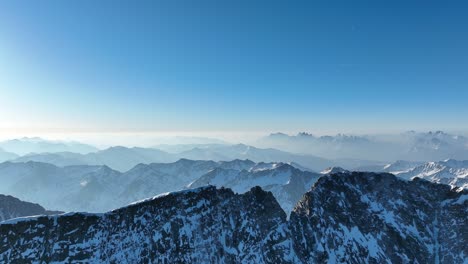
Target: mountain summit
x=344, y=218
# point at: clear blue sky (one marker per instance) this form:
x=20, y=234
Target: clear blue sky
x=349, y=66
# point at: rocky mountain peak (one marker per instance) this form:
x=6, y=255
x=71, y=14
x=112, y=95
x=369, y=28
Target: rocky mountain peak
x=376, y=218
x=344, y=218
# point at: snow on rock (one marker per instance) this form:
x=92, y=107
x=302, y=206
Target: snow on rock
x=206, y=225
x=100, y=188
x=451, y=172
x=400, y=166
x=287, y=183
x=345, y=218
x=377, y=218
x=331, y=170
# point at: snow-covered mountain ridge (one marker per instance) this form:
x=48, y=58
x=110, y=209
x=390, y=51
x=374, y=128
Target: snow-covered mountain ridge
x=100, y=189
x=205, y=225
x=344, y=218
x=451, y=172
x=286, y=182
x=378, y=218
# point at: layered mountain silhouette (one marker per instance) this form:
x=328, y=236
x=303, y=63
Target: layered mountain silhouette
x=412, y=146
x=26, y=145
x=100, y=188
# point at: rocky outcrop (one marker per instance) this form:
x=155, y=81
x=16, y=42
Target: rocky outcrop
x=344, y=218
x=378, y=218
x=205, y=225
x=11, y=207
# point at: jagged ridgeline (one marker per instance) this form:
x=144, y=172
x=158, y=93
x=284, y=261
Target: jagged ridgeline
x=344, y=218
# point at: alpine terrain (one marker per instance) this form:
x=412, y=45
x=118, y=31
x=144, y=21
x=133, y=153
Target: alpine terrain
x=345, y=218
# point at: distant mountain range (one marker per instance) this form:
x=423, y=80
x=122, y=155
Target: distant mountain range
x=345, y=218
x=349, y=152
x=11, y=207
x=407, y=146
x=123, y=158
x=118, y=158
x=451, y=172
x=23, y=146
x=99, y=188
x=271, y=206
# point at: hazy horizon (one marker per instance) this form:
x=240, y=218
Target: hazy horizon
x=152, y=139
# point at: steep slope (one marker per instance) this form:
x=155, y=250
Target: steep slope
x=378, y=218
x=203, y=225
x=344, y=218
x=11, y=207
x=451, y=172
x=285, y=182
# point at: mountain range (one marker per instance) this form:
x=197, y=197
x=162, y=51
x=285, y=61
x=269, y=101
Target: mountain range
x=118, y=158
x=345, y=218
x=451, y=172
x=349, y=152
x=411, y=145
x=99, y=188
x=26, y=145
x=123, y=158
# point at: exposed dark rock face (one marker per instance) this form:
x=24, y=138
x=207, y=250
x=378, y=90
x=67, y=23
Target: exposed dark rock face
x=378, y=218
x=344, y=218
x=11, y=207
x=205, y=225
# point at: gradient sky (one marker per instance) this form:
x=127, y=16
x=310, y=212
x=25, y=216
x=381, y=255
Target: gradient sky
x=203, y=66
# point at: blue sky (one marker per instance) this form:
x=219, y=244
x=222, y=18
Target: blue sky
x=245, y=66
